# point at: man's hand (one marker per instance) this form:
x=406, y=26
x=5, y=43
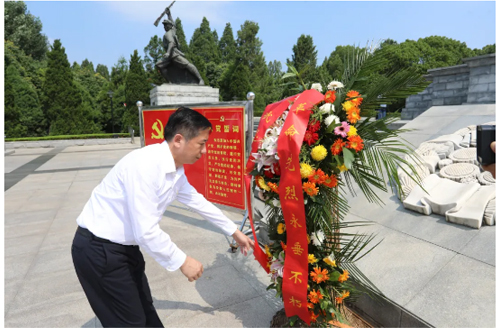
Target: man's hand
x=244, y=242
x=491, y=167
x=192, y=269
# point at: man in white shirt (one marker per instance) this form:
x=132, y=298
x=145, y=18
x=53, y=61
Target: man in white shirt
x=124, y=212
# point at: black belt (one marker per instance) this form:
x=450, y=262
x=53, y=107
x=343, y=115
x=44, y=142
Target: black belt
x=88, y=234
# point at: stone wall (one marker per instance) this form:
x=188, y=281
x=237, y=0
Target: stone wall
x=470, y=83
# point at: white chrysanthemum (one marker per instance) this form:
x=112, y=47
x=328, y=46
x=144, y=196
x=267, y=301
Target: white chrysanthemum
x=327, y=108
x=317, y=86
x=331, y=118
x=317, y=238
x=335, y=84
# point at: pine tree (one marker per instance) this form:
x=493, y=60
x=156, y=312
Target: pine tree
x=203, y=43
x=103, y=71
x=227, y=45
x=13, y=126
x=137, y=89
x=62, y=100
x=87, y=65
x=119, y=72
x=152, y=53
x=183, y=46
x=304, y=59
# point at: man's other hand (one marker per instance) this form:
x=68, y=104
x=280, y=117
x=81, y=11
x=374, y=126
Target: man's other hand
x=243, y=241
x=192, y=269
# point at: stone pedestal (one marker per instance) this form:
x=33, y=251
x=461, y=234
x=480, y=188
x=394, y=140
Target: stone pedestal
x=168, y=94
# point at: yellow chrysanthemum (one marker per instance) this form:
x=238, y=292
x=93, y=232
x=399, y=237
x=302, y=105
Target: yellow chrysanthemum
x=352, y=131
x=330, y=261
x=311, y=259
x=348, y=105
x=305, y=170
x=319, y=152
x=262, y=184
x=281, y=228
x=268, y=252
x=342, y=168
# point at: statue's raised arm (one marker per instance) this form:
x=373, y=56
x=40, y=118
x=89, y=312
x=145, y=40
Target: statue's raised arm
x=173, y=66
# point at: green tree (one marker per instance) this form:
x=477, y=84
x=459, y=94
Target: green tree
x=62, y=100
x=152, y=53
x=136, y=89
x=203, y=44
x=214, y=73
x=24, y=29
x=13, y=126
x=103, y=71
x=248, y=54
x=183, y=45
x=227, y=45
x=29, y=68
x=488, y=49
x=119, y=72
x=304, y=58
x=87, y=65
x=103, y=103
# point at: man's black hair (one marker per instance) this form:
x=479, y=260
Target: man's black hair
x=186, y=122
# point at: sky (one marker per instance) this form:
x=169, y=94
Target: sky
x=102, y=31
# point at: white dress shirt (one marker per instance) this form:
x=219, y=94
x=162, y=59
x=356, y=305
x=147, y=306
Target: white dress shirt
x=127, y=206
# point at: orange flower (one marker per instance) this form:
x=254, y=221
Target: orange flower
x=313, y=316
x=319, y=275
x=315, y=296
x=330, y=181
x=283, y=245
x=344, y=276
x=310, y=305
x=355, y=97
x=318, y=177
x=273, y=187
x=353, y=115
x=355, y=143
x=310, y=188
x=330, y=96
x=337, y=147
x=340, y=299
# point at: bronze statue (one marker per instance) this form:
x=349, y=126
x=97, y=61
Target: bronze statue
x=174, y=67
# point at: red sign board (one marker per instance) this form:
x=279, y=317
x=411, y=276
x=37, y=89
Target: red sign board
x=218, y=175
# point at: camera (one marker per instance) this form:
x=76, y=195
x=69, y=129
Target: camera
x=485, y=136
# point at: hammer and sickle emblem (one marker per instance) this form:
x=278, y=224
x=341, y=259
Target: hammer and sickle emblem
x=222, y=118
x=159, y=131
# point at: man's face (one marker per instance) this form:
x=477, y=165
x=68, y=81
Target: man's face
x=167, y=26
x=193, y=149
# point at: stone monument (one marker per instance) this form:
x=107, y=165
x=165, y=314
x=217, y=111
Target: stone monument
x=184, y=82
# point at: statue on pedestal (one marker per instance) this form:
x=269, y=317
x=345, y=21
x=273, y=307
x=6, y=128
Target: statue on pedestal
x=174, y=67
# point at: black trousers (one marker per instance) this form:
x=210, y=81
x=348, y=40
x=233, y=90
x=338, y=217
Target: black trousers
x=114, y=281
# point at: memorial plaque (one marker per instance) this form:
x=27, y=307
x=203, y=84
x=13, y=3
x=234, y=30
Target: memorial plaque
x=218, y=175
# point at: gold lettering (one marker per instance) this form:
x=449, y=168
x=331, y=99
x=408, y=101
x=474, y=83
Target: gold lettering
x=297, y=249
x=295, y=222
x=290, y=193
x=290, y=132
x=295, y=302
x=295, y=276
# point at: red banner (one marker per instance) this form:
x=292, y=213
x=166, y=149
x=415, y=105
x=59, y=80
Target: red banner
x=295, y=272
x=219, y=174
x=271, y=113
